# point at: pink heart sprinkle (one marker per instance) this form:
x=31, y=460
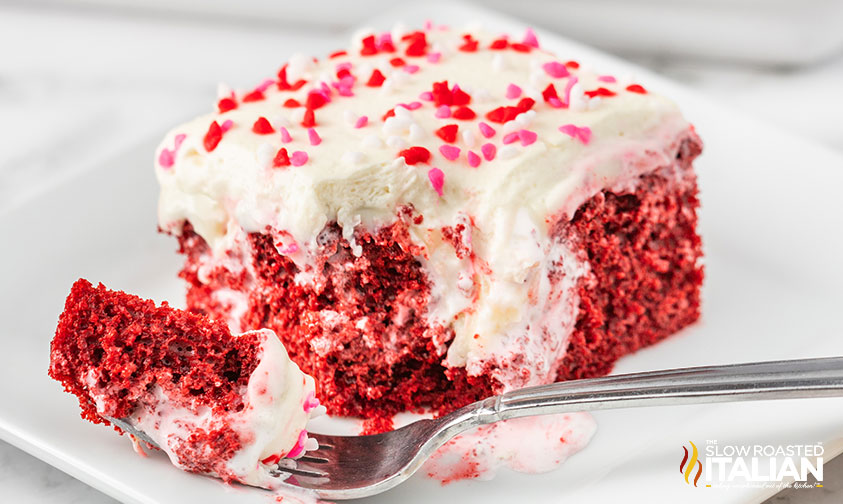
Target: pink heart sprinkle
x=443, y=112
x=582, y=134
x=530, y=38
x=285, y=135
x=290, y=249
x=313, y=136
x=527, y=137
x=513, y=91
x=489, y=150
x=567, y=93
x=473, y=159
x=486, y=130
x=178, y=140
x=510, y=137
x=361, y=121
x=298, y=449
x=411, y=69
x=411, y=106
x=449, y=152
x=434, y=57
x=426, y=96
x=555, y=69
x=606, y=78
x=225, y=126
x=298, y=158
x=310, y=402
x=345, y=91
x=265, y=85
x=437, y=180
x=384, y=39
x=165, y=159
x=554, y=102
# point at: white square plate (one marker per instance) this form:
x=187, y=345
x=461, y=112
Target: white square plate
x=771, y=223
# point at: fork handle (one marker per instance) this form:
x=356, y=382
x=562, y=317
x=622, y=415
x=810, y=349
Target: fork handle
x=786, y=379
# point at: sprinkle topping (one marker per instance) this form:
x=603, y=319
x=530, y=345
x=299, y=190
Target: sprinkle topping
x=212, y=137
x=281, y=158
x=298, y=158
x=449, y=152
x=448, y=133
x=262, y=126
x=437, y=180
x=583, y=134
x=415, y=155
x=226, y=104
x=313, y=136
x=555, y=69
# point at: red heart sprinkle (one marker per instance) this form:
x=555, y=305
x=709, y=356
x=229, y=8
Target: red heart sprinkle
x=448, y=133
x=212, y=137
x=414, y=155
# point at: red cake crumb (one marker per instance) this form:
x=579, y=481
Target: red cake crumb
x=130, y=345
x=361, y=329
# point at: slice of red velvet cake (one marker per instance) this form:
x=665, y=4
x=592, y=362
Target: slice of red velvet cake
x=430, y=217
x=219, y=404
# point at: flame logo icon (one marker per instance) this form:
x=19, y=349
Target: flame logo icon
x=686, y=467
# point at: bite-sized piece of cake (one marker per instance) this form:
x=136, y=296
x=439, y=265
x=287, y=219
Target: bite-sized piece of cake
x=219, y=404
x=429, y=217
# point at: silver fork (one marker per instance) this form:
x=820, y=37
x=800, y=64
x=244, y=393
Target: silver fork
x=349, y=467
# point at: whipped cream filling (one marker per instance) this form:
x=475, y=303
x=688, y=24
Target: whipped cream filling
x=504, y=189
x=279, y=401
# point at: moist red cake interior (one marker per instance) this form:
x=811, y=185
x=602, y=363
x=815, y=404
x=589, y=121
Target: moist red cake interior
x=130, y=345
x=643, y=254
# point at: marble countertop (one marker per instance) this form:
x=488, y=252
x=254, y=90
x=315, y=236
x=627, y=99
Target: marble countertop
x=80, y=85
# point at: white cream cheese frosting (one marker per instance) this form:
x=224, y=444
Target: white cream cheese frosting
x=506, y=180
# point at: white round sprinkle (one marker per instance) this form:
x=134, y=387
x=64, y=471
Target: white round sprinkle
x=469, y=138
x=371, y=142
x=399, y=30
x=396, y=124
x=396, y=142
x=358, y=36
x=532, y=92
x=416, y=133
x=298, y=67
x=403, y=112
x=265, y=153
x=508, y=151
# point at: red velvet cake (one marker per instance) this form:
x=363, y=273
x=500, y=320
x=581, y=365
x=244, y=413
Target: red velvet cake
x=431, y=217
x=219, y=404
